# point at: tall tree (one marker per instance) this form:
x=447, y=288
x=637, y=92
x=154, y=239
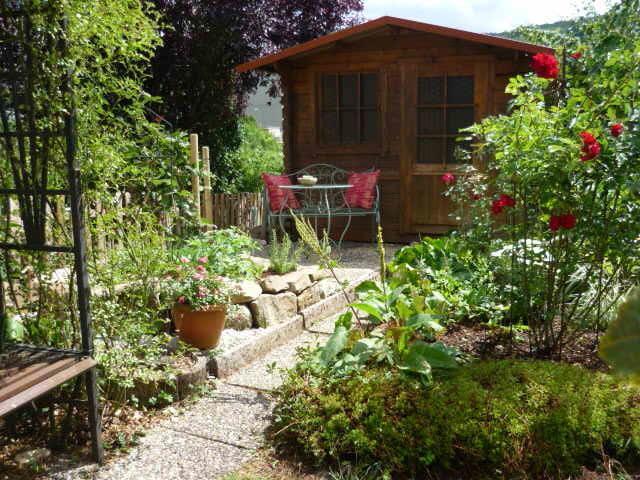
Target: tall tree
x=205, y=39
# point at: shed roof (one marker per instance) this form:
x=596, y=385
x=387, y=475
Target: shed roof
x=387, y=21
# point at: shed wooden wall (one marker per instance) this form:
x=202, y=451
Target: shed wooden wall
x=384, y=52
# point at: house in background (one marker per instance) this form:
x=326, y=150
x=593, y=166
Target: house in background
x=393, y=94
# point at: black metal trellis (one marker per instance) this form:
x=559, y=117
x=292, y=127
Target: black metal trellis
x=29, y=134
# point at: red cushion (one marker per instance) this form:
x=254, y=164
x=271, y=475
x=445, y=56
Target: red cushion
x=279, y=199
x=363, y=192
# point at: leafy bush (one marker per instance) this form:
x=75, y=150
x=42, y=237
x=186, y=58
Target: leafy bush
x=227, y=249
x=552, y=191
x=502, y=419
x=259, y=152
x=455, y=283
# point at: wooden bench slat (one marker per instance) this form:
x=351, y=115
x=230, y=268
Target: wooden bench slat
x=34, y=377
x=49, y=383
x=35, y=361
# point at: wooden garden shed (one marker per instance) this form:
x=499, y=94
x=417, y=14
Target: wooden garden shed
x=392, y=94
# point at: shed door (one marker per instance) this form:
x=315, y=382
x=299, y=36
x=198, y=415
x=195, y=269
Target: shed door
x=439, y=99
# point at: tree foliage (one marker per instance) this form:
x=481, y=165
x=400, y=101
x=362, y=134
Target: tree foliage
x=203, y=40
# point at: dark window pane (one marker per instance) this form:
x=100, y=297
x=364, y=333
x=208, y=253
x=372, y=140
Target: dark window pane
x=329, y=91
x=452, y=146
x=369, y=125
x=329, y=127
x=458, y=118
x=348, y=91
x=369, y=90
x=430, y=90
x=459, y=90
x=430, y=150
x=348, y=126
x=430, y=121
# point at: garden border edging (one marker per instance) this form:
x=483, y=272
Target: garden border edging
x=228, y=363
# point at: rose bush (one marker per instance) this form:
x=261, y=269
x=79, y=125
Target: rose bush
x=551, y=194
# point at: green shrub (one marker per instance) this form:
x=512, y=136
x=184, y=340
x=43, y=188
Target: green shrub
x=283, y=254
x=494, y=418
x=227, y=251
x=455, y=283
x=259, y=152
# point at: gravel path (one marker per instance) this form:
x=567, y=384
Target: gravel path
x=215, y=436
x=224, y=429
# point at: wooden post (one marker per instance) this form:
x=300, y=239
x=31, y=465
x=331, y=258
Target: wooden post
x=208, y=201
x=195, y=178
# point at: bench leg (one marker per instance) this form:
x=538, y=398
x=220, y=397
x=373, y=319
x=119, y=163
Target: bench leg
x=95, y=421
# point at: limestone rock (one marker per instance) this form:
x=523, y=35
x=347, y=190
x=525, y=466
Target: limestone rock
x=328, y=287
x=244, y=291
x=263, y=263
x=317, y=292
x=274, y=284
x=319, y=274
x=298, y=281
x=238, y=317
x=269, y=310
x=309, y=297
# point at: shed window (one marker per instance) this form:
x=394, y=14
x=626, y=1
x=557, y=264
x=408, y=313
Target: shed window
x=349, y=108
x=445, y=105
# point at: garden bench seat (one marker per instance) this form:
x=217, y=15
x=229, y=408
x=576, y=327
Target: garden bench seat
x=27, y=373
x=326, y=175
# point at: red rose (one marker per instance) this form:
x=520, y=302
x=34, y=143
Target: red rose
x=590, y=146
x=506, y=200
x=587, y=138
x=576, y=55
x=545, y=65
x=448, y=178
x=475, y=196
x=567, y=221
x=616, y=129
x=554, y=223
x=591, y=151
x=496, y=207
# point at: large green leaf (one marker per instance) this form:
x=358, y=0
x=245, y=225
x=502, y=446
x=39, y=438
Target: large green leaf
x=336, y=343
x=422, y=358
x=620, y=345
x=370, y=309
x=420, y=320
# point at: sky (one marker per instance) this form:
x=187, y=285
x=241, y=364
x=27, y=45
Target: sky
x=483, y=16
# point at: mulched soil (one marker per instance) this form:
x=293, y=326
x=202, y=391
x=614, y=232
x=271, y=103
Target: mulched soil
x=486, y=342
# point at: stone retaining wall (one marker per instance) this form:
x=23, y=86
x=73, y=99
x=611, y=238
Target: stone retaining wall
x=277, y=298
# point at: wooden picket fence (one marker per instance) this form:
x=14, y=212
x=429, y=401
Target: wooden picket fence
x=242, y=210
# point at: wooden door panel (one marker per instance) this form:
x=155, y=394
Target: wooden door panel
x=429, y=206
x=438, y=98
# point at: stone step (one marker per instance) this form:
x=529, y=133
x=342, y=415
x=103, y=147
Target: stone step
x=266, y=372
x=259, y=342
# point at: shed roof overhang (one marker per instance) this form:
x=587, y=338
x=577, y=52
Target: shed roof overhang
x=268, y=61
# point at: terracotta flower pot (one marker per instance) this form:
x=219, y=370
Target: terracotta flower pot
x=199, y=328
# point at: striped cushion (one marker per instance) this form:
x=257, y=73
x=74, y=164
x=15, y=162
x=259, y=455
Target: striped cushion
x=363, y=192
x=279, y=199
